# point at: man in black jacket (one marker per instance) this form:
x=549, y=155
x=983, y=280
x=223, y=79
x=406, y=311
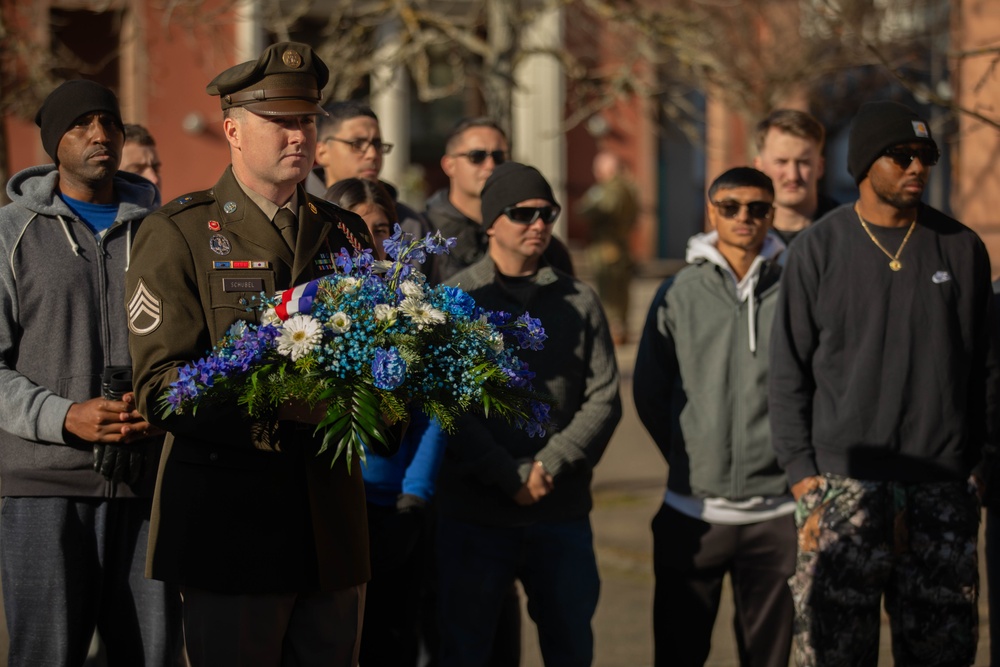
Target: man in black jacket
x=883, y=398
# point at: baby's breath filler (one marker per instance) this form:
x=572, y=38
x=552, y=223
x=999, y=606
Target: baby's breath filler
x=370, y=343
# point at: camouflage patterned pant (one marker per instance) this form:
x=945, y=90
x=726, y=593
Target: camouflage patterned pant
x=914, y=543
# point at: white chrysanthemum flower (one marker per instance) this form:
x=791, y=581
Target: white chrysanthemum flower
x=349, y=284
x=298, y=336
x=382, y=265
x=412, y=290
x=385, y=313
x=421, y=312
x=270, y=317
x=495, y=341
x=340, y=322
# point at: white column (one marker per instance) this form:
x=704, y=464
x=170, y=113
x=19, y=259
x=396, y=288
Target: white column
x=538, y=101
x=390, y=100
x=249, y=31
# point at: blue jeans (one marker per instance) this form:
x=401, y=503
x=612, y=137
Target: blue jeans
x=477, y=566
x=70, y=564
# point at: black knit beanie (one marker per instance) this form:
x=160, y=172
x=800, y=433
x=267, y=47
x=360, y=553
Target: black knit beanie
x=68, y=102
x=878, y=126
x=510, y=183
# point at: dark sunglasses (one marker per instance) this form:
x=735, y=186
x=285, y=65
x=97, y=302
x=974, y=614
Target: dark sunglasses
x=361, y=145
x=526, y=215
x=928, y=156
x=758, y=210
x=479, y=156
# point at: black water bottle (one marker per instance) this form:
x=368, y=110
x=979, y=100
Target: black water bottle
x=117, y=464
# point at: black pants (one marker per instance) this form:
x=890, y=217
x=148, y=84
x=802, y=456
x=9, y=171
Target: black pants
x=691, y=558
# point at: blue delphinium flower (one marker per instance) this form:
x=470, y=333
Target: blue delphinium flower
x=388, y=368
x=529, y=332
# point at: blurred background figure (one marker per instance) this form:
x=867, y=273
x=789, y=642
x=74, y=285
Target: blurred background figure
x=610, y=208
x=397, y=488
x=139, y=155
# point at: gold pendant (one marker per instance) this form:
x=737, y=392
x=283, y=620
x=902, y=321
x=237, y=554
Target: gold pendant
x=895, y=265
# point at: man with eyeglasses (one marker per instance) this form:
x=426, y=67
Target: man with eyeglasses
x=700, y=390
x=475, y=147
x=883, y=400
x=350, y=145
x=513, y=506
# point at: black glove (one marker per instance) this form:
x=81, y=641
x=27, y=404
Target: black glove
x=407, y=503
x=118, y=464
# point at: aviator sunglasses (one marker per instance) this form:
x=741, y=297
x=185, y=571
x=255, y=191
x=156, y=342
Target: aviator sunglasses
x=479, y=156
x=526, y=215
x=729, y=208
x=903, y=156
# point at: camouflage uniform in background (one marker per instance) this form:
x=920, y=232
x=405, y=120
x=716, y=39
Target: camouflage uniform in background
x=610, y=210
x=859, y=538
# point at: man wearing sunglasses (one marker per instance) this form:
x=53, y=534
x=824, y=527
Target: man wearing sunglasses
x=883, y=400
x=700, y=389
x=475, y=147
x=513, y=506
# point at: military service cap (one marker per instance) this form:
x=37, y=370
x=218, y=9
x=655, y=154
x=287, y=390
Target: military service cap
x=286, y=80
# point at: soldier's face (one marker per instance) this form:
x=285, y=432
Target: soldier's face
x=90, y=150
x=271, y=150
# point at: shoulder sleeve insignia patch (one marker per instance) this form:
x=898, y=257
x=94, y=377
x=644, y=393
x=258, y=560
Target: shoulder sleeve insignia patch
x=144, y=311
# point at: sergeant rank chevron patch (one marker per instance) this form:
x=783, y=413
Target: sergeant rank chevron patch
x=144, y=313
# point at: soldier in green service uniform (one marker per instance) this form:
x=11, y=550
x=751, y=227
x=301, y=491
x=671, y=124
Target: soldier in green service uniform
x=268, y=543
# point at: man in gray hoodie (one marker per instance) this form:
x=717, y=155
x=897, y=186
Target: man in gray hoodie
x=700, y=389
x=77, y=461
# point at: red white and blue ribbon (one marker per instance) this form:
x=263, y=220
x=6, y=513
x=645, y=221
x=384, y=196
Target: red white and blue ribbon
x=297, y=300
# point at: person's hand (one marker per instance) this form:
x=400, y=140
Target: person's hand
x=539, y=485
x=805, y=485
x=108, y=421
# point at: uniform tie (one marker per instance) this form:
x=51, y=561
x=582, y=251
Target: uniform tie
x=285, y=221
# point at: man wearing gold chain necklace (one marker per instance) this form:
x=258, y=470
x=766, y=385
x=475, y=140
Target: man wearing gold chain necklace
x=883, y=399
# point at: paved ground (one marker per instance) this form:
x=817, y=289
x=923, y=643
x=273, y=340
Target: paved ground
x=628, y=488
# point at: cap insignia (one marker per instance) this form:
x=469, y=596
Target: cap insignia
x=920, y=129
x=291, y=59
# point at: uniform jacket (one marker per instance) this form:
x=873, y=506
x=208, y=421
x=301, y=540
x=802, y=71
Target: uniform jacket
x=229, y=516
x=700, y=382
x=61, y=290
x=488, y=460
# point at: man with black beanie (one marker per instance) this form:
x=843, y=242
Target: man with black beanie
x=513, y=506
x=883, y=401
x=73, y=534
